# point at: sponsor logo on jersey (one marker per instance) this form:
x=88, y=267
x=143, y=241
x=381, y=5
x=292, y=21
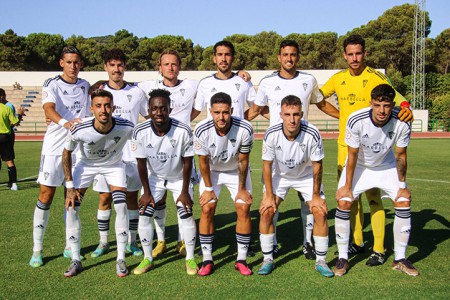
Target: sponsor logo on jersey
x=277, y=88
x=212, y=146
x=117, y=139
x=278, y=148
x=40, y=226
x=149, y=146
x=406, y=229
x=129, y=97
x=162, y=156
x=173, y=142
x=91, y=143
x=290, y=163
x=343, y=83
x=123, y=233
x=182, y=92
x=377, y=147
x=366, y=136
x=213, y=90
x=305, y=86
x=238, y=86
x=233, y=142
x=65, y=93
x=73, y=239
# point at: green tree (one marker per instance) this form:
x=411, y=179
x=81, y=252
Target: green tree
x=91, y=51
x=442, y=43
x=45, y=51
x=13, y=52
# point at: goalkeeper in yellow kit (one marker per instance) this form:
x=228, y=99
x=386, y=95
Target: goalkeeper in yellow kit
x=353, y=87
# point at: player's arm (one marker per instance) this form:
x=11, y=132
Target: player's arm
x=244, y=75
x=185, y=197
x=194, y=114
x=346, y=190
x=98, y=85
x=400, y=157
x=253, y=112
x=328, y=108
x=268, y=200
x=71, y=194
x=243, y=163
x=316, y=200
x=208, y=194
x=146, y=197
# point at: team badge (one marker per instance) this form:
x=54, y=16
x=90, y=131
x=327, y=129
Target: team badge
x=182, y=92
x=173, y=142
x=238, y=86
x=117, y=139
x=303, y=147
x=305, y=86
x=84, y=90
x=391, y=134
x=46, y=174
x=365, y=82
x=95, y=182
x=129, y=97
x=233, y=142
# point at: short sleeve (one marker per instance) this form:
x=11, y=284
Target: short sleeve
x=268, y=152
x=49, y=93
x=71, y=141
x=317, y=152
x=261, y=96
x=200, y=145
x=187, y=148
x=405, y=135
x=137, y=148
x=352, y=135
x=316, y=95
x=247, y=141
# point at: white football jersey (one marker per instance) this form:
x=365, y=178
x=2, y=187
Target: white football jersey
x=375, y=143
x=129, y=103
x=71, y=101
x=98, y=149
x=273, y=88
x=181, y=97
x=293, y=159
x=163, y=153
x=239, y=91
x=223, y=151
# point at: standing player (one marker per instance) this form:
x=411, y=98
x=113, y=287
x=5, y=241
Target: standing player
x=371, y=134
x=65, y=100
x=7, y=121
x=101, y=140
x=182, y=95
x=163, y=148
x=129, y=102
x=292, y=158
x=353, y=87
x=224, y=80
x=223, y=145
x=271, y=90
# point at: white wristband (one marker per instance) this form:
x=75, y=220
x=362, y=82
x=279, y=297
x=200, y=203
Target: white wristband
x=69, y=184
x=62, y=122
x=402, y=185
x=209, y=188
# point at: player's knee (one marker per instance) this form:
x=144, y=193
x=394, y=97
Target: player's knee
x=105, y=200
x=404, y=203
x=46, y=194
x=267, y=216
x=345, y=205
x=243, y=210
x=208, y=211
x=320, y=216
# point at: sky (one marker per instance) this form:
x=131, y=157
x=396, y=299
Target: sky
x=203, y=21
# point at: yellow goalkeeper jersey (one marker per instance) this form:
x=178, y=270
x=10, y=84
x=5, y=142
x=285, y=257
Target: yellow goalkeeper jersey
x=353, y=93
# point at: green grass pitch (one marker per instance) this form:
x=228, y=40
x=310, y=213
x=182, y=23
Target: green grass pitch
x=294, y=277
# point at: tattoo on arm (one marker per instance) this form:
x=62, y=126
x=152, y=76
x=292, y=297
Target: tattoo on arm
x=67, y=164
x=401, y=168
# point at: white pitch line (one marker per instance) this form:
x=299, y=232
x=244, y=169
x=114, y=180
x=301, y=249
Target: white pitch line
x=22, y=179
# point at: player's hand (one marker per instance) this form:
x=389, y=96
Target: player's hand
x=71, y=123
x=244, y=75
x=403, y=193
x=186, y=201
x=71, y=197
x=319, y=204
x=245, y=196
x=267, y=202
x=405, y=114
x=144, y=201
x=206, y=197
x=344, y=192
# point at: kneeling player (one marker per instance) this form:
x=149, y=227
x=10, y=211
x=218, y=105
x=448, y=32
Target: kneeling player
x=292, y=158
x=371, y=134
x=101, y=140
x=163, y=148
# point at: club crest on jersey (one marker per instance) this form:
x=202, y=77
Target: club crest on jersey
x=182, y=92
x=303, y=147
x=129, y=97
x=238, y=86
x=46, y=174
x=117, y=139
x=305, y=86
x=84, y=90
x=95, y=182
x=233, y=142
x=391, y=134
x=173, y=142
x=365, y=82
